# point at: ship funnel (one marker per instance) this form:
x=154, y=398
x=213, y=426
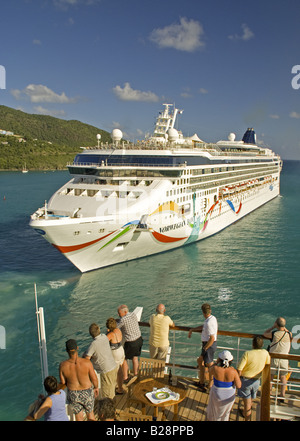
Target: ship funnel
x=249, y=137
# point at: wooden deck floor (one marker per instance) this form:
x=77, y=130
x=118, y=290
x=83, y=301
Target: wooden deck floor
x=192, y=408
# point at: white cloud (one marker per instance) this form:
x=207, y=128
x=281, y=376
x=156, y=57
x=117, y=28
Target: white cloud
x=274, y=116
x=185, y=36
x=128, y=94
x=38, y=93
x=246, y=35
x=295, y=115
x=186, y=93
x=64, y=4
x=203, y=91
x=37, y=42
x=41, y=110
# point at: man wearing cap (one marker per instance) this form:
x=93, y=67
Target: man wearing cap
x=79, y=376
x=159, y=333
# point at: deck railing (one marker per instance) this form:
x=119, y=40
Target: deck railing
x=184, y=352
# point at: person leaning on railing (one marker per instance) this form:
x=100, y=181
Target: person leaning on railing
x=209, y=343
x=281, y=339
x=159, y=333
x=250, y=368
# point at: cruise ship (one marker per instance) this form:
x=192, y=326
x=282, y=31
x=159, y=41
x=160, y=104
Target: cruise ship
x=125, y=201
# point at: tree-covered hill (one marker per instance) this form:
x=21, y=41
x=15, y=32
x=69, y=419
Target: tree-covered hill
x=43, y=142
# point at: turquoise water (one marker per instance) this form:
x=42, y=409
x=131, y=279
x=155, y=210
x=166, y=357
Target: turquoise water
x=249, y=273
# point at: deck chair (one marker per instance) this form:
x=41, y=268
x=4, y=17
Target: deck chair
x=151, y=367
x=129, y=416
x=148, y=368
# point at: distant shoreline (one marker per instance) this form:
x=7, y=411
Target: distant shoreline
x=33, y=169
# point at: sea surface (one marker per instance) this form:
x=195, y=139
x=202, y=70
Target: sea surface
x=249, y=273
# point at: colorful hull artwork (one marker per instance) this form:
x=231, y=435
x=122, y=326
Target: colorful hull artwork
x=197, y=226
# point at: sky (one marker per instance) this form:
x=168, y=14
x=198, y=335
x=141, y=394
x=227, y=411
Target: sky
x=228, y=64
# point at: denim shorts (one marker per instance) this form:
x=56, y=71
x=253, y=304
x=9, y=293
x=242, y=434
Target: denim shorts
x=249, y=387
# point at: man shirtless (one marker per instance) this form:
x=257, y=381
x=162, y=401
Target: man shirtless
x=79, y=376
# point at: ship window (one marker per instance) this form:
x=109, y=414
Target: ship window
x=92, y=193
x=78, y=191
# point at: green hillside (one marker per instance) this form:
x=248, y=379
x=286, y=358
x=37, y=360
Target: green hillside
x=42, y=142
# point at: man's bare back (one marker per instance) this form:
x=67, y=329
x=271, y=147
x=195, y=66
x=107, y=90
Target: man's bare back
x=78, y=374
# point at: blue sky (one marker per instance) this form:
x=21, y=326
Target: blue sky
x=112, y=63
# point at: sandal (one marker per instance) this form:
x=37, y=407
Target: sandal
x=120, y=393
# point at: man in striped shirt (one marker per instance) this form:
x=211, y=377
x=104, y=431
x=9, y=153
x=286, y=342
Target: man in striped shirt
x=129, y=326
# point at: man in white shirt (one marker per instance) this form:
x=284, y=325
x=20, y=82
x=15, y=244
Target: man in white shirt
x=209, y=344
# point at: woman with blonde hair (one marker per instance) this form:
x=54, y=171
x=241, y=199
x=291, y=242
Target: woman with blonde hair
x=114, y=336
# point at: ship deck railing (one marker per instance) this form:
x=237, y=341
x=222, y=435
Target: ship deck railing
x=140, y=165
x=269, y=406
x=124, y=164
x=198, y=146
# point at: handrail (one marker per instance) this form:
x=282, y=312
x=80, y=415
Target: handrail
x=225, y=333
x=188, y=328
x=265, y=402
x=123, y=164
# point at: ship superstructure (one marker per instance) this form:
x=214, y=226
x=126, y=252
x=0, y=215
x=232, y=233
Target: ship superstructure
x=128, y=201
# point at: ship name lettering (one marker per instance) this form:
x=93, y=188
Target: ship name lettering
x=172, y=227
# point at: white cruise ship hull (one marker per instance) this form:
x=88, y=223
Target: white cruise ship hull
x=121, y=242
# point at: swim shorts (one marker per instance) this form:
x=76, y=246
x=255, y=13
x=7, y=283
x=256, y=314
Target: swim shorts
x=81, y=400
